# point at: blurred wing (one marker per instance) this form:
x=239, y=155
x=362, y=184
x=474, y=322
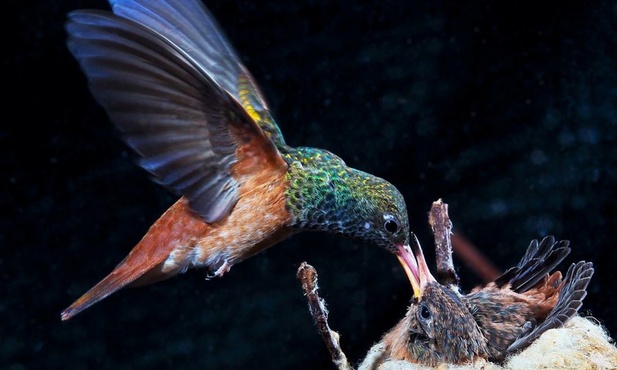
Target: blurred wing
x=190, y=26
x=189, y=132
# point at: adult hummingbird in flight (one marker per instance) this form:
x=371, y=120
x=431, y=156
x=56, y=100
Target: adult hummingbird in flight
x=444, y=326
x=182, y=100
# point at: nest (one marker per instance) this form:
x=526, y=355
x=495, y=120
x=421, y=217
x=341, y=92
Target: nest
x=582, y=344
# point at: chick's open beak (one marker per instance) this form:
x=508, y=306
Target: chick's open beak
x=415, y=266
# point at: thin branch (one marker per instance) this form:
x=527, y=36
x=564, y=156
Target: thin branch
x=447, y=241
x=319, y=312
x=442, y=231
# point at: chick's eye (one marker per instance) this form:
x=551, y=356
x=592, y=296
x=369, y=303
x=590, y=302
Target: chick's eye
x=391, y=226
x=425, y=313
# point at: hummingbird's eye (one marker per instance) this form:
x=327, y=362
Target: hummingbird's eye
x=391, y=226
x=425, y=313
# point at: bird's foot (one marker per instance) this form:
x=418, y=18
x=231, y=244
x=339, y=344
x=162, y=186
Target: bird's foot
x=225, y=267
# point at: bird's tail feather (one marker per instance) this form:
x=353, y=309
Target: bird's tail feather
x=123, y=275
x=144, y=264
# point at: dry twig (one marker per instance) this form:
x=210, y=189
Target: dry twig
x=319, y=312
x=442, y=231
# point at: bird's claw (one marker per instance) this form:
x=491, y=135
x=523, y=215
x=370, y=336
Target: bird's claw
x=225, y=267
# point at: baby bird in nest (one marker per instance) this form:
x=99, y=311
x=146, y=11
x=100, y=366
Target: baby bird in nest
x=442, y=325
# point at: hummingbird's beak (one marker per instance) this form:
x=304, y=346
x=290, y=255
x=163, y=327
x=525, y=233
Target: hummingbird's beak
x=415, y=266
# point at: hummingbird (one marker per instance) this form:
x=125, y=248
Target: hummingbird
x=180, y=97
x=502, y=317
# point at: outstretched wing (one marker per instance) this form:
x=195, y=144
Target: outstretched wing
x=571, y=295
x=190, y=26
x=539, y=260
x=157, y=87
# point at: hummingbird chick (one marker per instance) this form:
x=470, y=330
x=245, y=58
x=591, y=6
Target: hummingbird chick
x=443, y=325
x=183, y=101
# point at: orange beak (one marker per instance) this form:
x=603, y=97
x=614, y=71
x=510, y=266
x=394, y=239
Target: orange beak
x=415, y=266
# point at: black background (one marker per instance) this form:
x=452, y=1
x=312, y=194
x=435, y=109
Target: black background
x=508, y=112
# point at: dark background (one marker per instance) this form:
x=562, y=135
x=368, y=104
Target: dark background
x=508, y=112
